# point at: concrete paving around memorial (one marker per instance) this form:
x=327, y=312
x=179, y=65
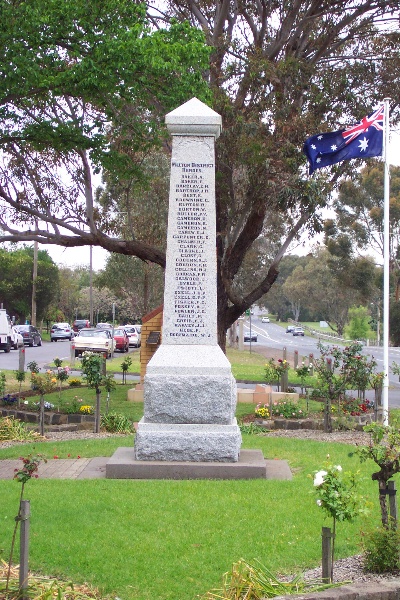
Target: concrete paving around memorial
x=95, y=468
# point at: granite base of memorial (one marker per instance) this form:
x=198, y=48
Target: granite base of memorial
x=251, y=464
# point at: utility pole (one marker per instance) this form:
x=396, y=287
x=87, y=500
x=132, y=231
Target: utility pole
x=34, y=279
x=91, y=285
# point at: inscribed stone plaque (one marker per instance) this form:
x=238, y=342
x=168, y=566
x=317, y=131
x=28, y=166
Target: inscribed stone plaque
x=190, y=309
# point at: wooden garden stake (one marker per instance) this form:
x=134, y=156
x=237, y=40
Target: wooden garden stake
x=391, y=492
x=97, y=415
x=24, y=548
x=41, y=416
x=327, y=537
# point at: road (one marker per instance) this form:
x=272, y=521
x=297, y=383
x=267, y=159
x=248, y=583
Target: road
x=271, y=335
x=43, y=355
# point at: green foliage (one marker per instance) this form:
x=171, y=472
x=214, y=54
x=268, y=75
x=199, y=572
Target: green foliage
x=45, y=383
x=381, y=550
x=109, y=383
x=73, y=405
x=395, y=368
x=3, y=383
x=94, y=66
x=274, y=370
x=33, y=367
x=339, y=369
x=75, y=382
x=116, y=423
x=16, y=267
x=30, y=467
x=337, y=493
x=252, y=428
x=92, y=369
x=384, y=450
x=287, y=410
x=359, y=326
x=126, y=363
x=19, y=376
x=394, y=322
x=13, y=429
x=250, y=581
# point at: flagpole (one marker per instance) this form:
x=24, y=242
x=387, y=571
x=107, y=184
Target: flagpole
x=386, y=264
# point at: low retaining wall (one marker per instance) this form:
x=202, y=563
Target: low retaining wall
x=382, y=590
x=357, y=423
x=50, y=418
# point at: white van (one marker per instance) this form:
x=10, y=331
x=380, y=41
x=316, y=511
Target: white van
x=6, y=334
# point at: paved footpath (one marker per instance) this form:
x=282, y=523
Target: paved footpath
x=79, y=468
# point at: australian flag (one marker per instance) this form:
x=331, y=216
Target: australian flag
x=359, y=141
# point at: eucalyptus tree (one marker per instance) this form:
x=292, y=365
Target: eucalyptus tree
x=16, y=267
x=359, y=208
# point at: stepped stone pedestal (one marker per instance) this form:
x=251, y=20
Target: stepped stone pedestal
x=189, y=391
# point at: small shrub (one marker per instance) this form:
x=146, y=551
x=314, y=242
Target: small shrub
x=355, y=406
x=12, y=429
x=287, y=410
x=116, y=423
x=252, y=428
x=86, y=409
x=381, y=550
x=261, y=411
x=9, y=400
x=74, y=382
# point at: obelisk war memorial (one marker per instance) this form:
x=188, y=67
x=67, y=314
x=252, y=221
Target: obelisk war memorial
x=189, y=427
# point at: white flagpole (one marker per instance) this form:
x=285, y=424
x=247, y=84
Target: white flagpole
x=386, y=259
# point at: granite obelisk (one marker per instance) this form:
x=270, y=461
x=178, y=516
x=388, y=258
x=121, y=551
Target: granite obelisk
x=189, y=390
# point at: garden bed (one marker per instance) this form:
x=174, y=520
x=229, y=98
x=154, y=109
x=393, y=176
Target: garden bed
x=349, y=422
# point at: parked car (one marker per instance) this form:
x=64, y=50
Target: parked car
x=250, y=338
x=80, y=324
x=265, y=320
x=16, y=339
x=121, y=340
x=290, y=329
x=61, y=331
x=298, y=331
x=30, y=334
x=94, y=340
x=135, y=337
x=103, y=326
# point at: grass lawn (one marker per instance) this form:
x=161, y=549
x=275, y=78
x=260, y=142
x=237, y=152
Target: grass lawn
x=173, y=540
x=146, y=540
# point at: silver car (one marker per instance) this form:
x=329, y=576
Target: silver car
x=61, y=331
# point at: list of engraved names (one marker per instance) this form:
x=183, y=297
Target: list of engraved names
x=192, y=238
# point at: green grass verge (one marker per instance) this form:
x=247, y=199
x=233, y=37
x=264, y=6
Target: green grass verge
x=143, y=540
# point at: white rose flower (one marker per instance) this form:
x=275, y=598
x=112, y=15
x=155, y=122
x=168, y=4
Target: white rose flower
x=319, y=502
x=319, y=478
x=338, y=468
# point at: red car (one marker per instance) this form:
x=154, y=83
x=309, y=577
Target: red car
x=121, y=340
